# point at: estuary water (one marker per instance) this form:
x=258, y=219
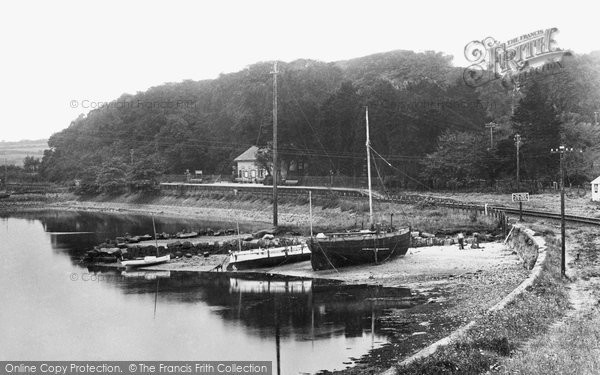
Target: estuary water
x=54, y=308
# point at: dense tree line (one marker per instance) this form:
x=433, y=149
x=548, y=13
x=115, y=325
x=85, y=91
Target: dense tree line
x=423, y=119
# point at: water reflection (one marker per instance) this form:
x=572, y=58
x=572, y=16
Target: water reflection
x=301, y=325
x=303, y=304
x=148, y=275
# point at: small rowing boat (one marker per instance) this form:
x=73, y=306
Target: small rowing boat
x=146, y=261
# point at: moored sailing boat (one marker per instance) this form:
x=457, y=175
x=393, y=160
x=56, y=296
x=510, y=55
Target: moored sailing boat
x=332, y=250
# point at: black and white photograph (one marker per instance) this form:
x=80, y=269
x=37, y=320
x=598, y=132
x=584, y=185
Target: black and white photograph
x=299, y=187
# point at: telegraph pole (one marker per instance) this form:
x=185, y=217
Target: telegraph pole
x=562, y=150
x=275, y=165
x=518, y=143
x=492, y=126
x=5, y=173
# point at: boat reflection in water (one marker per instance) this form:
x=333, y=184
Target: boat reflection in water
x=328, y=294
x=237, y=285
x=148, y=275
x=332, y=310
x=333, y=323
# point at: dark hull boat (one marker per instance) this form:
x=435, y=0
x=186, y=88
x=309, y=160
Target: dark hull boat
x=335, y=250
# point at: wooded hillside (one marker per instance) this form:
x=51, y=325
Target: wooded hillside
x=424, y=119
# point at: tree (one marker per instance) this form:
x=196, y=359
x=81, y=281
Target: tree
x=111, y=177
x=459, y=159
x=145, y=173
x=31, y=164
x=264, y=158
x=536, y=120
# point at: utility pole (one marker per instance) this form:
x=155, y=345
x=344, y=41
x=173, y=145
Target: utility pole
x=513, y=105
x=562, y=150
x=5, y=173
x=131, y=156
x=492, y=126
x=275, y=165
x=518, y=144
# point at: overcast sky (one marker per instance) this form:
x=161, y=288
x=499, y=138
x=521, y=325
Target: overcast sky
x=56, y=53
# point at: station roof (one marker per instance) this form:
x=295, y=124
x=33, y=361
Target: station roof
x=248, y=155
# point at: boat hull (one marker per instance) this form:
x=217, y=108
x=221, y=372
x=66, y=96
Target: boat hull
x=147, y=261
x=261, y=258
x=356, y=249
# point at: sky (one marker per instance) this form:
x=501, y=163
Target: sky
x=61, y=58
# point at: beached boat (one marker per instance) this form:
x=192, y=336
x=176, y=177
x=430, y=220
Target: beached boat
x=333, y=250
x=146, y=261
x=268, y=257
x=187, y=235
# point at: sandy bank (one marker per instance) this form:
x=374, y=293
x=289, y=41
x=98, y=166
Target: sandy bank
x=420, y=268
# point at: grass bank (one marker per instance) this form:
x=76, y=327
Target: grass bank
x=498, y=335
x=571, y=346
x=330, y=213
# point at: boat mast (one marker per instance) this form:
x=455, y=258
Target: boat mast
x=368, y=144
x=310, y=212
x=274, y=72
x=155, y=239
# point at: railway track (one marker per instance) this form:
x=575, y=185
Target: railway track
x=530, y=213
x=552, y=215
x=508, y=210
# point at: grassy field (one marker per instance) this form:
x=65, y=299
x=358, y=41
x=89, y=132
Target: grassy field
x=14, y=152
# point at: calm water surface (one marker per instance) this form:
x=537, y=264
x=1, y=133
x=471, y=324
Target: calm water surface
x=55, y=309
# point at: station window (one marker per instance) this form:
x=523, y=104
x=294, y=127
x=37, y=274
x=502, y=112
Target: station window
x=595, y=188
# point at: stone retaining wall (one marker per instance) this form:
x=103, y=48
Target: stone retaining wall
x=523, y=241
